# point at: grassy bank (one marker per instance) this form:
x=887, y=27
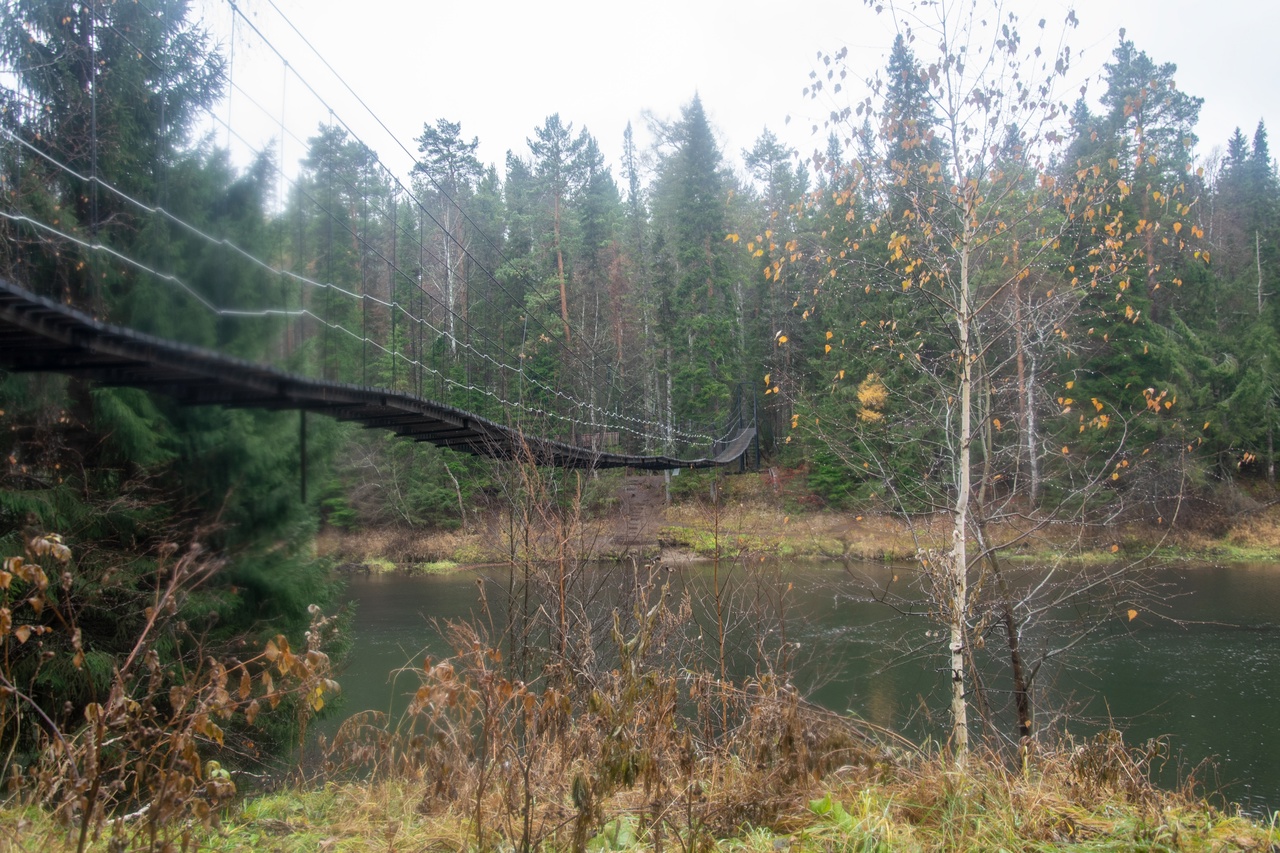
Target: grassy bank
x=1066, y=801
x=560, y=732
x=752, y=518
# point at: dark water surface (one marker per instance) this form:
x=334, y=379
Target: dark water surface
x=1206, y=676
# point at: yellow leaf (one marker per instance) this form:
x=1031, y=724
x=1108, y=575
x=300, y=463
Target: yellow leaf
x=782, y=339
x=1065, y=450
x=732, y=237
x=1133, y=614
x=830, y=335
x=22, y=632
x=766, y=378
x=1115, y=548
x=827, y=349
x=1071, y=385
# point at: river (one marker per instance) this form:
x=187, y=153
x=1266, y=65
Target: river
x=1205, y=674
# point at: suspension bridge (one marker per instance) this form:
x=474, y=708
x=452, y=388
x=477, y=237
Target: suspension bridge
x=361, y=297
x=37, y=334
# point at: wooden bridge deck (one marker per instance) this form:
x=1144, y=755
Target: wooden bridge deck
x=37, y=334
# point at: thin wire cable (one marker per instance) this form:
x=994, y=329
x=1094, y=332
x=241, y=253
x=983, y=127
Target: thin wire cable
x=608, y=417
x=276, y=312
x=97, y=246
x=589, y=369
x=216, y=310
x=591, y=408
x=622, y=392
x=569, y=351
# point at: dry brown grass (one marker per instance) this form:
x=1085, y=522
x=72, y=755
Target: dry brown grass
x=1257, y=531
x=404, y=546
x=751, y=518
x=923, y=805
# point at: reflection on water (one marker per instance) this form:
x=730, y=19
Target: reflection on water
x=1205, y=676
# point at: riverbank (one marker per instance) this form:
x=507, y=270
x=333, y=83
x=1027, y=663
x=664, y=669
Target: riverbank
x=1090, y=797
x=751, y=518
x=608, y=759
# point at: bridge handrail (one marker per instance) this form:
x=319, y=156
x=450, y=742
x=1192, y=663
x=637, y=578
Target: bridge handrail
x=38, y=334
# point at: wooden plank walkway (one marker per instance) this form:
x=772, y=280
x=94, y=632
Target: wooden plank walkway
x=37, y=334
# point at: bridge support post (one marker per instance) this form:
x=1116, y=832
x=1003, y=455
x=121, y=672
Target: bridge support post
x=302, y=453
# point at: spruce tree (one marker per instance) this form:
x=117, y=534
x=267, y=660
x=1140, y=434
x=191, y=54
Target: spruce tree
x=112, y=91
x=697, y=325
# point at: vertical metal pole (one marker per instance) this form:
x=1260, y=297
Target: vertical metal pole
x=363, y=242
x=302, y=452
x=96, y=294
x=755, y=423
x=391, y=283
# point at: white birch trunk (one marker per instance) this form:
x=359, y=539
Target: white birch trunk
x=450, y=312
x=959, y=560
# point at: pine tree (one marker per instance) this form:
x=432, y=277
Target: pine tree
x=112, y=91
x=450, y=169
x=697, y=325
x=558, y=168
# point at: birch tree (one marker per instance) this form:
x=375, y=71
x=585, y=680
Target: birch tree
x=959, y=261
x=450, y=169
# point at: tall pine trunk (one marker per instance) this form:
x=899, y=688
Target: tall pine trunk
x=564, y=291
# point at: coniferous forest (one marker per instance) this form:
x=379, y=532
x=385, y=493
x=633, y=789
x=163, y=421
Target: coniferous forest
x=977, y=301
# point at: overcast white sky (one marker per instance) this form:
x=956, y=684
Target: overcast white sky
x=500, y=67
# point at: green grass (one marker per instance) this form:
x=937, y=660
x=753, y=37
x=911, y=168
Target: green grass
x=436, y=567
x=926, y=809
x=379, y=565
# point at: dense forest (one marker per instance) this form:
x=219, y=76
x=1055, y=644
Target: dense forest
x=653, y=295
x=1044, y=313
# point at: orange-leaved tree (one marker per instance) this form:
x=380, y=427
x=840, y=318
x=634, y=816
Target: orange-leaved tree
x=972, y=277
